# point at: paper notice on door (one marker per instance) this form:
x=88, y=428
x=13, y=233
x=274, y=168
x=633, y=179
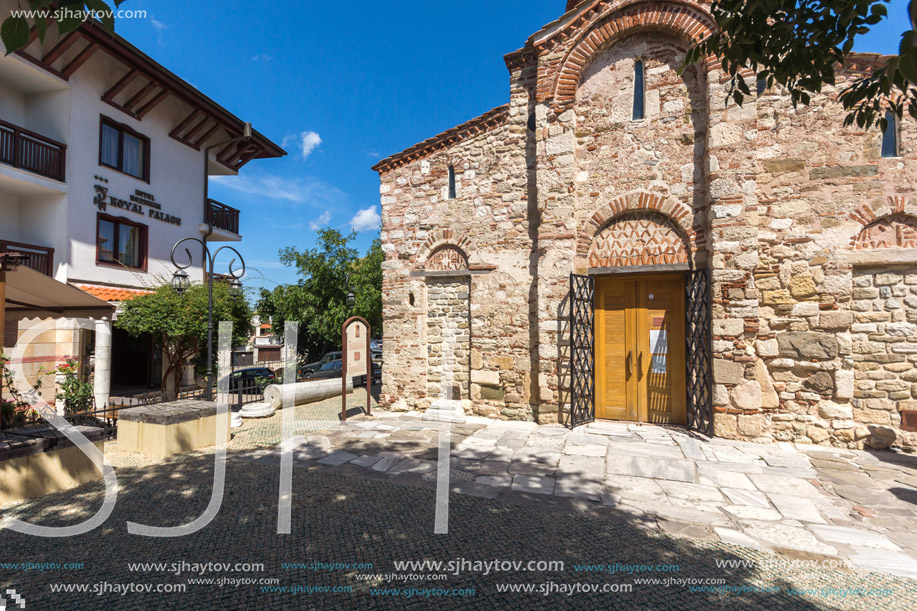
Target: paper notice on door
x=657, y=364
x=659, y=342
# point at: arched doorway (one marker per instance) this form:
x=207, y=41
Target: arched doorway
x=638, y=262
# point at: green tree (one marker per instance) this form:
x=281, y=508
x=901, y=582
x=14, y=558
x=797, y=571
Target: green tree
x=178, y=324
x=801, y=44
x=67, y=15
x=318, y=300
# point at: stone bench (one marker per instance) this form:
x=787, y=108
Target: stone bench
x=169, y=428
x=37, y=461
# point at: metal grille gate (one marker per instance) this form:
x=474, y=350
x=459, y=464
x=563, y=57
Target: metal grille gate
x=698, y=351
x=582, y=349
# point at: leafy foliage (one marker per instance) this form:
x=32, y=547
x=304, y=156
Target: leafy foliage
x=16, y=408
x=67, y=15
x=800, y=44
x=319, y=299
x=74, y=389
x=178, y=324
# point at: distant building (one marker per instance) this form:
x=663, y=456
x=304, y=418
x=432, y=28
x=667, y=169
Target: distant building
x=620, y=242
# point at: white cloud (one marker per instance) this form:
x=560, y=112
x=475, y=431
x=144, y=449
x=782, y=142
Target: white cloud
x=321, y=221
x=304, y=190
x=160, y=26
x=366, y=220
x=306, y=141
x=261, y=57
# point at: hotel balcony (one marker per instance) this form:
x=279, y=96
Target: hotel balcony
x=29, y=151
x=39, y=258
x=224, y=220
x=30, y=164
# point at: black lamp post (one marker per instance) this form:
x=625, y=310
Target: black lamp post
x=181, y=282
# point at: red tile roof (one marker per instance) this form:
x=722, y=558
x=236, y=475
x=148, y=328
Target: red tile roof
x=110, y=293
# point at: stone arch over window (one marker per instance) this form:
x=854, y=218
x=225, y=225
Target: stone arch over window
x=669, y=220
x=892, y=231
x=447, y=258
x=685, y=20
x=638, y=237
x=891, y=225
x=439, y=238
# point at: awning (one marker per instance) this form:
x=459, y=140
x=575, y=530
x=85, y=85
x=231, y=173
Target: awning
x=28, y=290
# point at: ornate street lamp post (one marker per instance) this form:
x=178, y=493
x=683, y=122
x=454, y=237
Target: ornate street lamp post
x=181, y=282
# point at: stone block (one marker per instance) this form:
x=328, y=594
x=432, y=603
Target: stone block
x=485, y=377
x=725, y=425
x=830, y=410
x=729, y=326
x=751, y=426
x=769, y=397
x=817, y=434
x=844, y=384
x=778, y=166
x=767, y=347
x=820, y=382
x=728, y=372
x=746, y=396
x=802, y=285
x=489, y=393
x=837, y=319
x=807, y=345
x=841, y=171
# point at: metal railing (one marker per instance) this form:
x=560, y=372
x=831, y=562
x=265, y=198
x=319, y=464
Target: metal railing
x=39, y=258
x=27, y=150
x=222, y=216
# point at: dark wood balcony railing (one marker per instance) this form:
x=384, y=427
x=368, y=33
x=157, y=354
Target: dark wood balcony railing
x=39, y=258
x=222, y=216
x=27, y=150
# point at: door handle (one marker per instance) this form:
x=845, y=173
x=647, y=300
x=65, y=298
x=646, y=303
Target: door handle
x=627, y=365
x=640, y=365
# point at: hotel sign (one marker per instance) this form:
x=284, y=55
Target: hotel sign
x=136, y=203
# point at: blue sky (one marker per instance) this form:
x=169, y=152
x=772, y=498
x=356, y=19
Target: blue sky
x=342, y=85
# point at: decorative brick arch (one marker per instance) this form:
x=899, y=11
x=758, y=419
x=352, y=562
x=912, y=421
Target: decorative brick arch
x=890, y=224
x=684, y=19
x=679, y=216
x=440, y=238
x=639, y=237
x=447, y=258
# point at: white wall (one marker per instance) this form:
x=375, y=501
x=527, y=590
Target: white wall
x=176, y=181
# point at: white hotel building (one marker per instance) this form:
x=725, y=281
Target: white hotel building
x=102, y=170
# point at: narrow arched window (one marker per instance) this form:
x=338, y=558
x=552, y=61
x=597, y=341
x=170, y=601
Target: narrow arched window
x=890, y=136
x=638, y=90
x=451, y=182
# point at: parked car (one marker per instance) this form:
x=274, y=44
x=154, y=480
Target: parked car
x=253, y=378
x=313, y=367
x=375, y=349
x=333, y=369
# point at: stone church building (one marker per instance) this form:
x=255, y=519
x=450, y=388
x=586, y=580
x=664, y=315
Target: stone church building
x=619, y=242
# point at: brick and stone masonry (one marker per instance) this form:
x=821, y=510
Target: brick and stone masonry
x=809, y=232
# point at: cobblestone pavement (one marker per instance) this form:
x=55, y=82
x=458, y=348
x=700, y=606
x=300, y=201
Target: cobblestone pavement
x=797, y=499
x=365, y=493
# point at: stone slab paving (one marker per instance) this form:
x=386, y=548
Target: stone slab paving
x=780, y=497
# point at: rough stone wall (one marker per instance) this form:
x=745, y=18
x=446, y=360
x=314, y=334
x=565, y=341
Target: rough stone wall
x=884, y=338
x=448, y=337
x=489, y=221
x=818, y=187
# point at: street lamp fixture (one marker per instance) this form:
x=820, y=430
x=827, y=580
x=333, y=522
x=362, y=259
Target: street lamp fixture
x=350, y=299
x=235, y=289
x=180, y=283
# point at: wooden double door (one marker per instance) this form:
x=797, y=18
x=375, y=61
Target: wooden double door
x=640, y=348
